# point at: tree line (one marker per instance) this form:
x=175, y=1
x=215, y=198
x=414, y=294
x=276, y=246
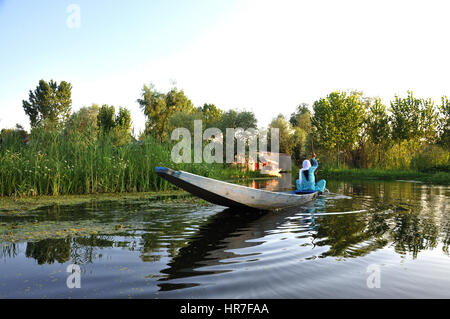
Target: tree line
x=49, y=108
x=348, y=129
x=93, y=150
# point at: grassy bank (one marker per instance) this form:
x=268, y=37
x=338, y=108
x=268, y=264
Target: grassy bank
x=58, y=164
x=442, y=178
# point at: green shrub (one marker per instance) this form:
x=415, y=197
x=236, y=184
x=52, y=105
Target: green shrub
x=432, y=158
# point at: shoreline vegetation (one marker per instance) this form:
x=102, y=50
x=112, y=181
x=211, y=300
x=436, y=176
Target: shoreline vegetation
x=17, y=205
x=438, y=177
x=54, y=163
x=94, y=150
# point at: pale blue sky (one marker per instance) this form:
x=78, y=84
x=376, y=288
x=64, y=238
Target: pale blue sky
x=262, y=55
x=113, y=36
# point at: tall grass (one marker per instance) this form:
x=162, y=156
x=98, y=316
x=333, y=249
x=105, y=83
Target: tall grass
x=55, y=163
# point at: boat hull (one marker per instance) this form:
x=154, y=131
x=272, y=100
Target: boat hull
x=233, y=195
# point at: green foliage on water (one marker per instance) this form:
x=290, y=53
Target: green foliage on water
x=12, y=205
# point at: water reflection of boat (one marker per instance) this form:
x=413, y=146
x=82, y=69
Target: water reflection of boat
x=283, y=183
x=311, y=230
x=225, y=231
x=233, y=195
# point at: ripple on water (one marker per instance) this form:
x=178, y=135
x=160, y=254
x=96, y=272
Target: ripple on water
x=322, y=250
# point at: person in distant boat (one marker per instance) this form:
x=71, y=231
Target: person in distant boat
x=306, y=180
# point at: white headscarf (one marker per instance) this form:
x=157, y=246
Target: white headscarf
x=306, y=166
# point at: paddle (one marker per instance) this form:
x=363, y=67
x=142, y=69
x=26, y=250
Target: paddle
x=313, y=154
x=315, y=172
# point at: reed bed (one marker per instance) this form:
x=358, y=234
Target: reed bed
x=55, y=163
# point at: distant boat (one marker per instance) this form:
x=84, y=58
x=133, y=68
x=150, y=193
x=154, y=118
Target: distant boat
x=233, y=195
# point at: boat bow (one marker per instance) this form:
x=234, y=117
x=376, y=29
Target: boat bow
x=232, y=195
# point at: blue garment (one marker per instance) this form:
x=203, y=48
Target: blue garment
x=310, y=184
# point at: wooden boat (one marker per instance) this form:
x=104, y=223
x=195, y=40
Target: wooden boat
x=233, y=195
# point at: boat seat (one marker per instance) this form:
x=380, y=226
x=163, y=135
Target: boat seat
x=304, y=192
x=301, y=192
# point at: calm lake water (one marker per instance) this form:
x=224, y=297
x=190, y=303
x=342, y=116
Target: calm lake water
x=392, y=236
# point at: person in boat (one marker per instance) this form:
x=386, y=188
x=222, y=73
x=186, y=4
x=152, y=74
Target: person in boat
x=306, y=180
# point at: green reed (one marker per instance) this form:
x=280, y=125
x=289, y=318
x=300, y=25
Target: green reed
x=55, y=163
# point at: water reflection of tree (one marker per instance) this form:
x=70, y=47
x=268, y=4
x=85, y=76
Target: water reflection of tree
x=151, y=244
x=345, y=235
x=446, y=239
x=411, y=226
x=445, y=224
x=47, y=251
x=85, y=249
x=355, y=235
x=395, y=216
x=169, y=233
x=351, y=235
x=80, y=250
x=9, y=250
x=413, y=233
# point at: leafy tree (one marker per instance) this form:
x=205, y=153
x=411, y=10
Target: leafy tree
x=49, y=104
x=351, y=120
x=428, y=123
x=298, y=118
x=119, y=126
x=300, y=144
x=338, y=120
x=237, y=119
x=444, y=123
x=211, y=114
x=105, y=118
x=122, y=128
x=234, y=119
x=324, y=119
x=123, y=120
x=185, y=120
x=378, y=128
x=285, y=133
x=378, y=122
x=300, y=121
x=84, y=123
x=304, y=122
x=413, y=123
x=405, y=118
x=159, y=107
